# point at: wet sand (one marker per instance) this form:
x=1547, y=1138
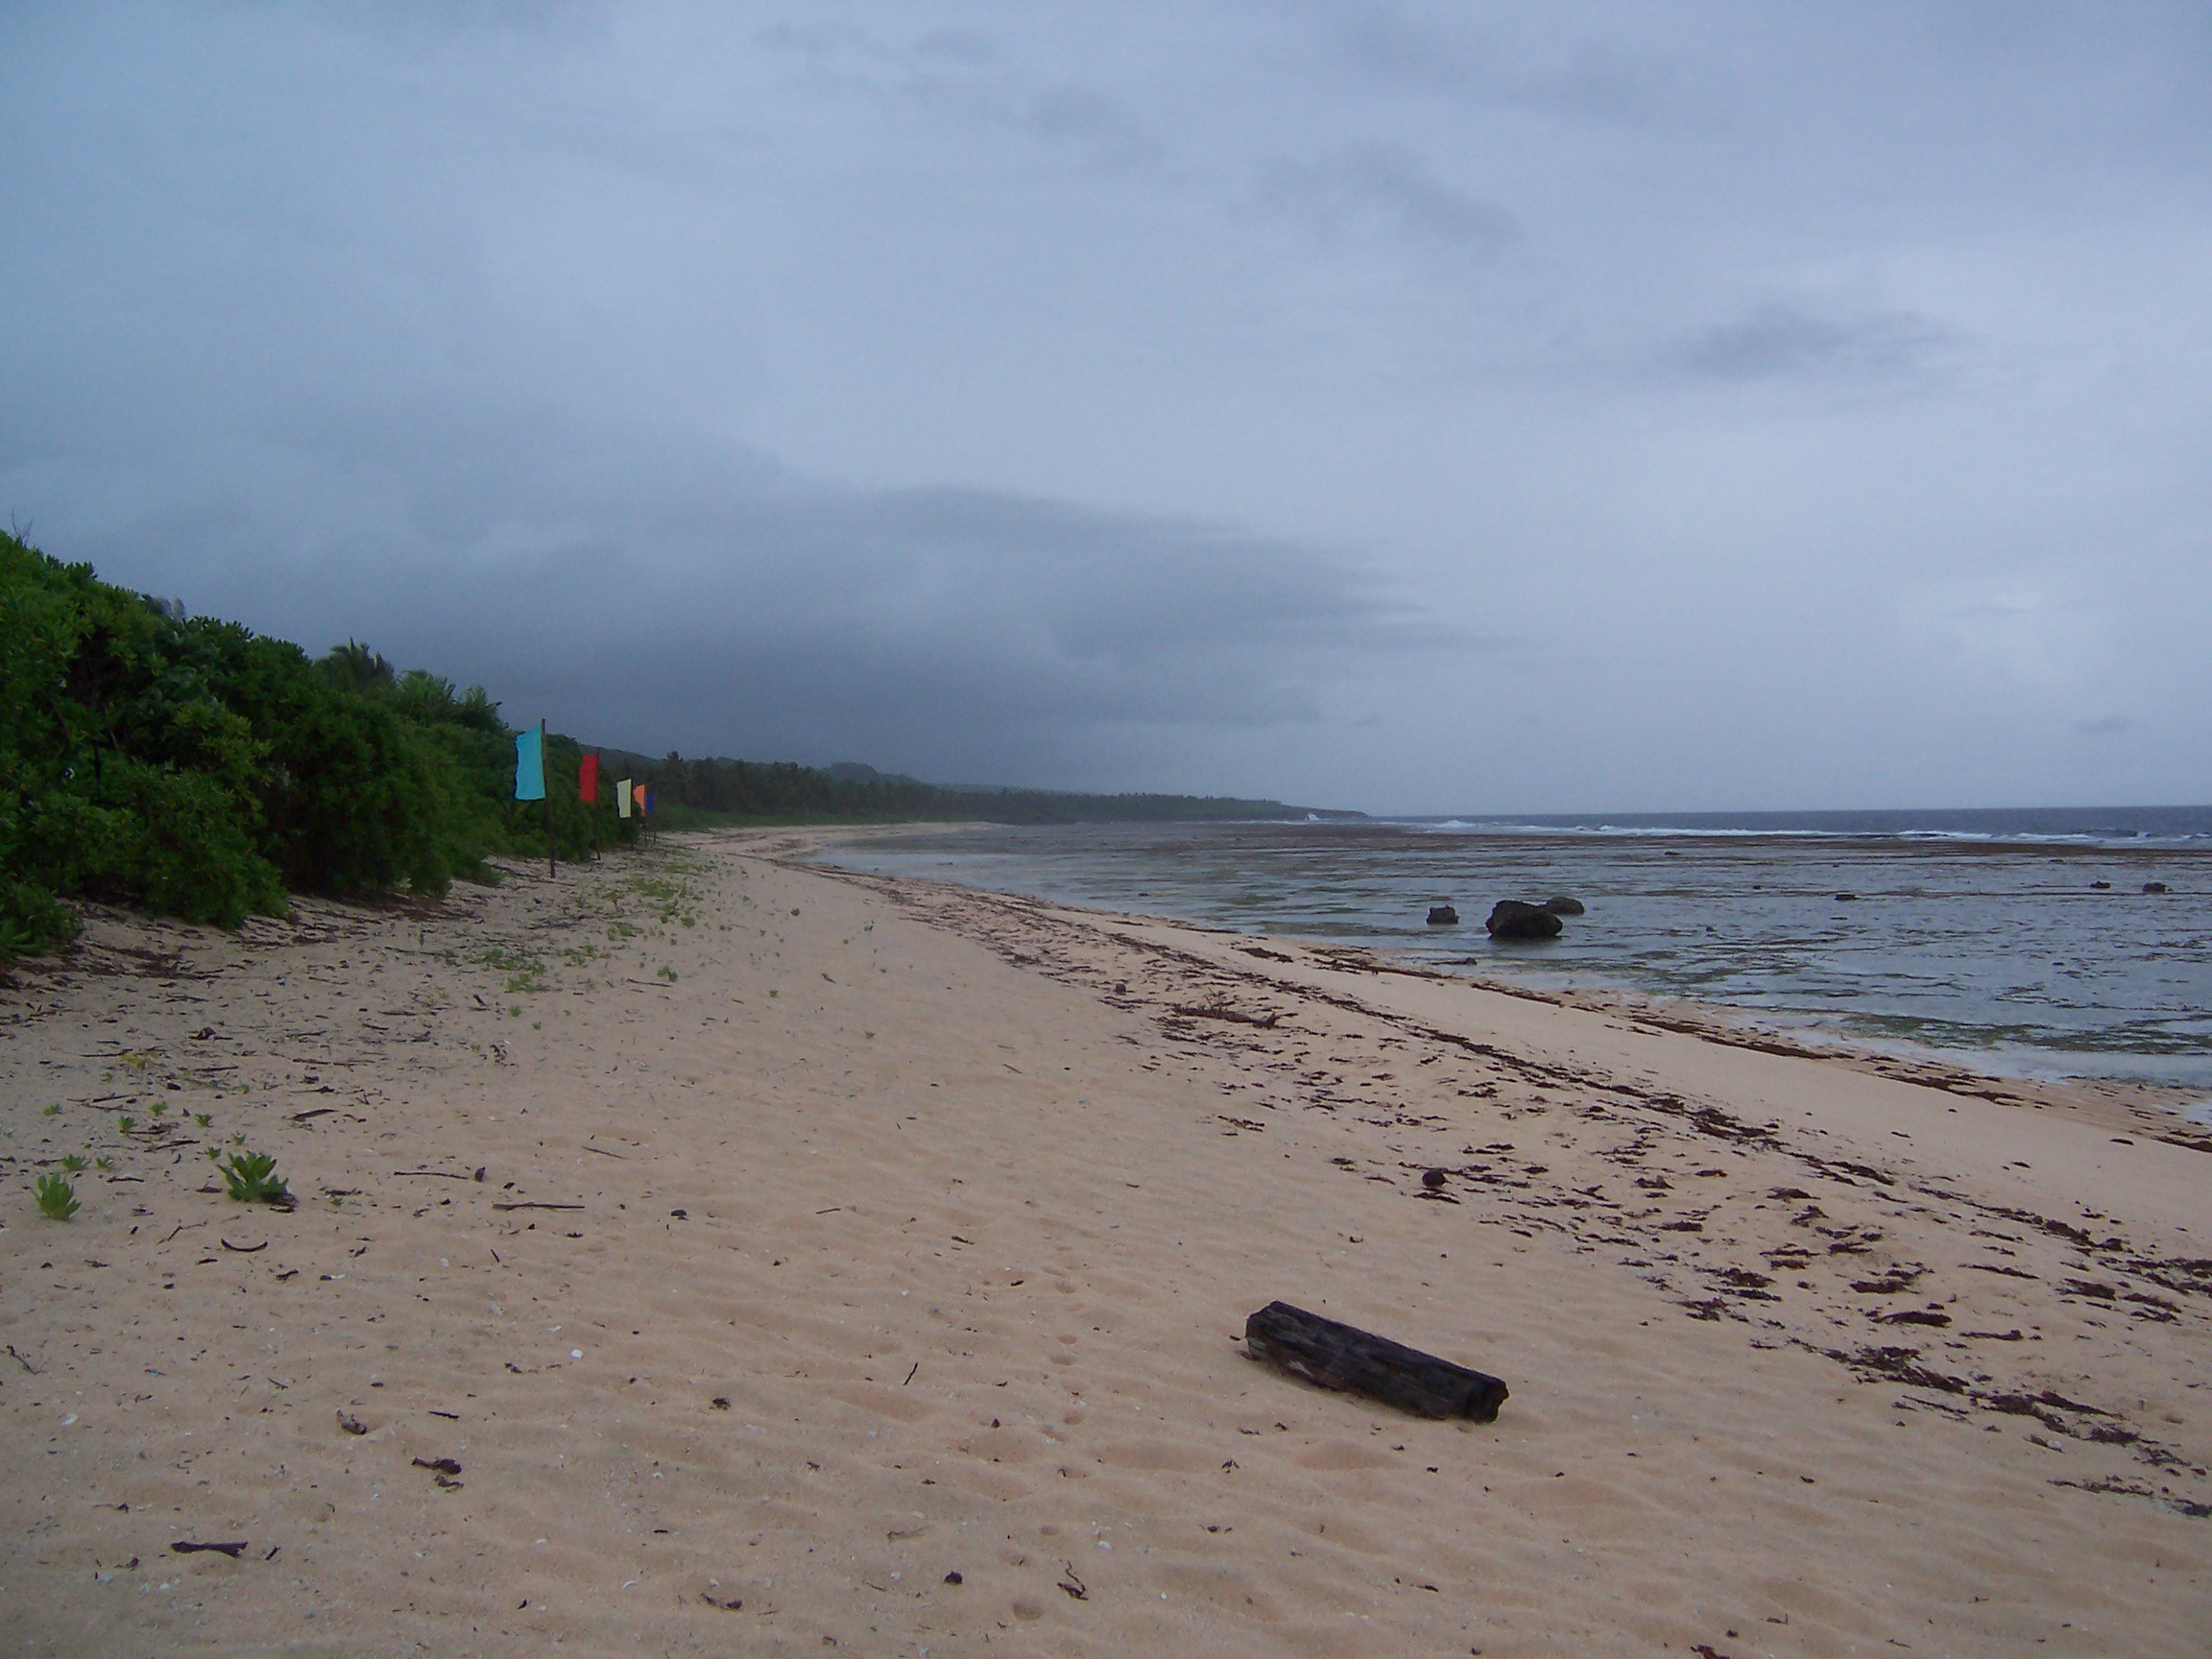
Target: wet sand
x=719, y=1255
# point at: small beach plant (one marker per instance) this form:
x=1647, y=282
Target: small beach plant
x=126, y=1122
x=53, y=1111
x=57, y=1198
x=252, y=1179
x=202, y=1118
x=73, y=1164
x=103, y=1162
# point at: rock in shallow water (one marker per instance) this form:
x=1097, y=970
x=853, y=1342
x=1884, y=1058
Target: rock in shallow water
x=1511, y=919
x=1443, y=916
x=1562, y=905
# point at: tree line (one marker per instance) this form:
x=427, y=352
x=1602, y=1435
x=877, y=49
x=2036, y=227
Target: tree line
x=192, y=767
x=782, y=791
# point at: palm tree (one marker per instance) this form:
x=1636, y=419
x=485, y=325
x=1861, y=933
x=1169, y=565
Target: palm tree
x=353, y=667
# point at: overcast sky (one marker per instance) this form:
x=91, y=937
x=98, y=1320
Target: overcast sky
x=1419, y=408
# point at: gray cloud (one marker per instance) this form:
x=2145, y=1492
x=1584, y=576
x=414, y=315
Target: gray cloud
x=1781, y=342
x=1383, y=187
x=647, y=590
x=1585, y=80
x=1406, y=406
x=960, y=72
x=1083, y=115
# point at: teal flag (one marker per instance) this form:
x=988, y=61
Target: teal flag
x=529, y=766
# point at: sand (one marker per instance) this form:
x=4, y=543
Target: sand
x=788, y=1260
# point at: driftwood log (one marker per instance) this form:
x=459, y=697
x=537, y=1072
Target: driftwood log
x=1342, y=1356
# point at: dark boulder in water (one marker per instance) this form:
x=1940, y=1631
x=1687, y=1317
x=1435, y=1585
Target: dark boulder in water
x=1562, y=905
x=1511, y=919
x=1443, y=916
x=1846, y=898
x=2155, y=887
x=2101, y=886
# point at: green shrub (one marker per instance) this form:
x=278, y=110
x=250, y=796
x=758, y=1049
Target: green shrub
x=251, y=1178
x=57, y=1198
x=176, y=842
x=194, y=767
x=32, y=920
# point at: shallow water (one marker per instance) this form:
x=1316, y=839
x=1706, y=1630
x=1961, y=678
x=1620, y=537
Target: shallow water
x=2002, y=953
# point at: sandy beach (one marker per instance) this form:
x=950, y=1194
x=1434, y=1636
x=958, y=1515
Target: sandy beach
x=702, y=1253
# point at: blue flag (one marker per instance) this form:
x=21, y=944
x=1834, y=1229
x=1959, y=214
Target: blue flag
x=529, y=766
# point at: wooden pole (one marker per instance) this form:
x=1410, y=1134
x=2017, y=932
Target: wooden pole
x=592, y=811
x=546, y=769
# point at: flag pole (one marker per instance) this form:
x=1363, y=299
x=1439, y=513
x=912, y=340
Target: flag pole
x=593, y=813
x=544, y=766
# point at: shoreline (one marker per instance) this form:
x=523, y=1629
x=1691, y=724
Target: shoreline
x=803, y=1238
x=2157, y=1108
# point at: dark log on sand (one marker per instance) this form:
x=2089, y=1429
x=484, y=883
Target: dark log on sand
x=1334, y=1355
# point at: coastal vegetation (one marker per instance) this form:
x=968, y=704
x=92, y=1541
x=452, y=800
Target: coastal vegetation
x=57, y=1197
x=251, y=1178
x=191, y=767
x=780, y=792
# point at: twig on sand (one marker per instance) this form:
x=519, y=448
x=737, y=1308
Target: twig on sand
x=1232, y=1016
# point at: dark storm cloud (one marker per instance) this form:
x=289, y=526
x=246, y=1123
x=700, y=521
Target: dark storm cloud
x=1414, y=405
x=644, y=590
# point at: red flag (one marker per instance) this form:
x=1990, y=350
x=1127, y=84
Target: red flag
x=588, y=777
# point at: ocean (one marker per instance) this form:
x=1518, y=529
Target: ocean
x=2021, y=942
